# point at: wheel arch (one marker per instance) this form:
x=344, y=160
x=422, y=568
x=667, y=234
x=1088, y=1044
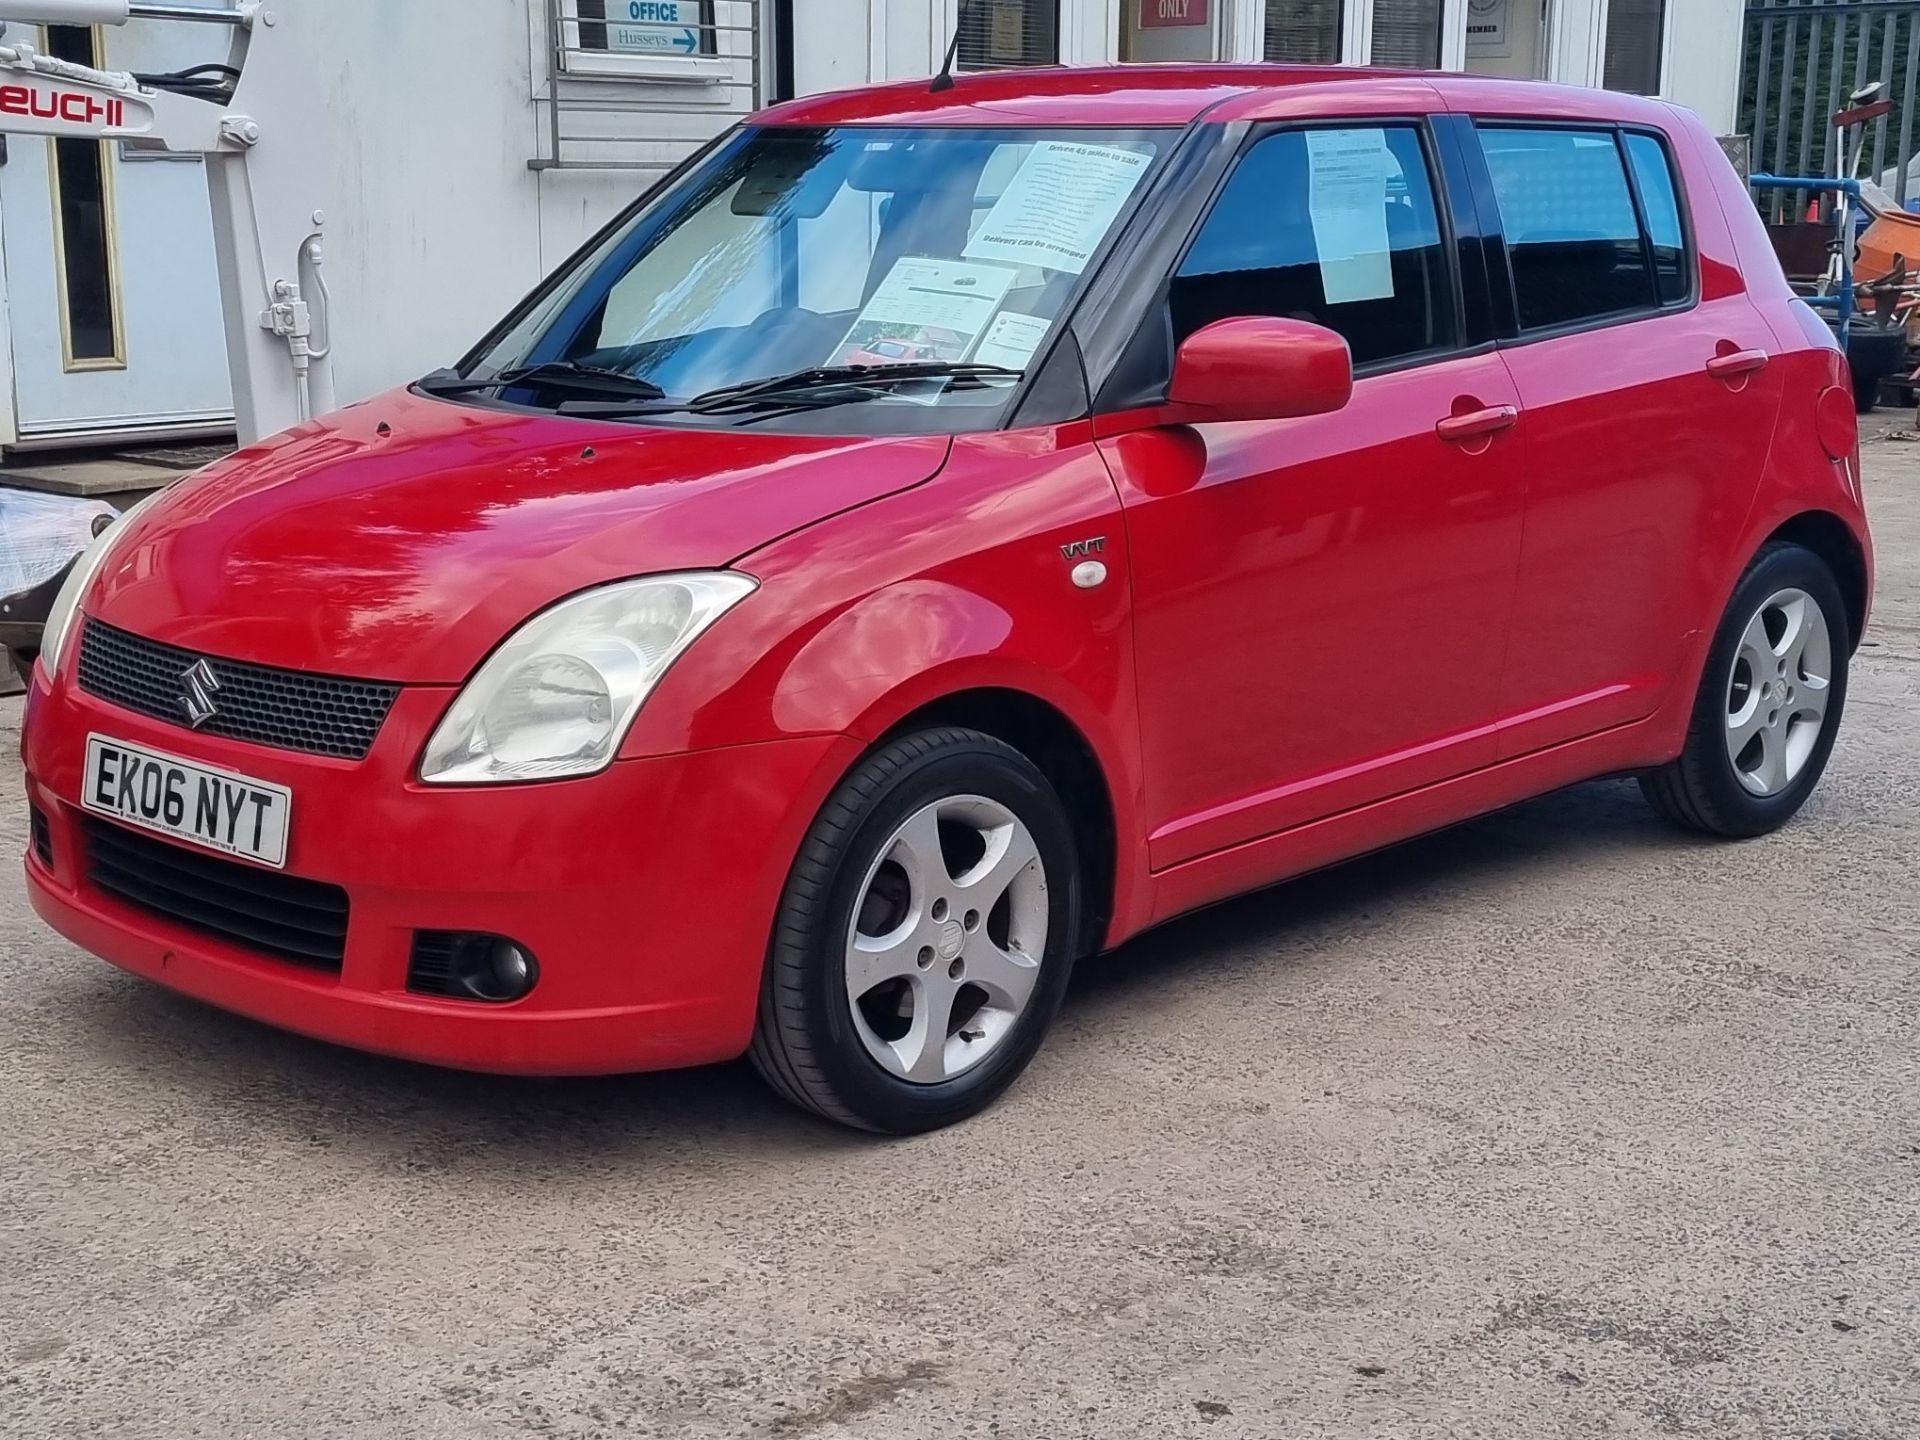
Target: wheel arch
x=1830, y=537
x=1048, y=737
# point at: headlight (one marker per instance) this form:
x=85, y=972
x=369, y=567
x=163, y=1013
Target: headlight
x=558, y=698
x=66, y=600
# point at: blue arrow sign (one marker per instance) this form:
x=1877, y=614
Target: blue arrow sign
x=688, y=41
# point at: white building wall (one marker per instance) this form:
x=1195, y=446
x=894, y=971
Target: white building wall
x=440, y=225
x=1705, y=39
x=1701, y=69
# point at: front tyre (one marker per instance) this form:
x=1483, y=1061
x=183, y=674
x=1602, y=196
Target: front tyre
x=925, y=936
x=1769, y=702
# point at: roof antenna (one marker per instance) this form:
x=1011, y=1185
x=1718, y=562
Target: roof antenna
x=944, y=80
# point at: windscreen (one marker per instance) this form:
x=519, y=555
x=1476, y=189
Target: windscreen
x=900, y=252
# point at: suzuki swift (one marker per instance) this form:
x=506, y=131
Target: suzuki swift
x=942, y=532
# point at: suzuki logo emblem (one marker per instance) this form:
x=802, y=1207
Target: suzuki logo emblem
x=198, y=686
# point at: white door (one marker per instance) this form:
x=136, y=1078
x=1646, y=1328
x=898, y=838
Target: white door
x=112, y=297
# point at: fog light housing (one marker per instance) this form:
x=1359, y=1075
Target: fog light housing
x=471, y=965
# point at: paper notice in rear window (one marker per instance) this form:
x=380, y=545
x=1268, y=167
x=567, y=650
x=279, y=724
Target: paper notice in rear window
x=1348, y=206
x=1058, y=206
x=1011, y=340
x=925, y=310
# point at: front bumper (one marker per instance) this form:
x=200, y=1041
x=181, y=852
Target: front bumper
x=647, y=892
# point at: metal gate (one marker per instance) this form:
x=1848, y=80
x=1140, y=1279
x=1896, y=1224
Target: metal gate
x=1803, y=59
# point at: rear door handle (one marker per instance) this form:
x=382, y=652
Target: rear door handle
x=1477, y=423
x=1736, y=364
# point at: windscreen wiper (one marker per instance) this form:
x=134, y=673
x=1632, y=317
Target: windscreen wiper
x=572, y=374
x=816, y=376
x=817, y=385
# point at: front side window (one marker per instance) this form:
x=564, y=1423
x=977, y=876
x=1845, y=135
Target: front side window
x=1573, y=239
x=1335, y=226
x=793, y=248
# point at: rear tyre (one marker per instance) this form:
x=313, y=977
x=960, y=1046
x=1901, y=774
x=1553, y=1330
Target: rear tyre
x=1769, y=704
x=924, y=939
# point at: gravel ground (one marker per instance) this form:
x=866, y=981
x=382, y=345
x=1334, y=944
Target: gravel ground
x=1559, y=1125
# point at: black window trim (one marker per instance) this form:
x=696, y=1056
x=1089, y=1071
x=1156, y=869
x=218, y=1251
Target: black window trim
x=1502, y=273
x=1115, y=391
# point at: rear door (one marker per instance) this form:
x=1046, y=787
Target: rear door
x=1646, y=378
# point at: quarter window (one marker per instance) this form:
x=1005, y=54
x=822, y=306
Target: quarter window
x=1653, y=176
x=1334, y=226
x=1573, y=238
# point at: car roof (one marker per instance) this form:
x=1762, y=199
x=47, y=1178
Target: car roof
x=1166, y=95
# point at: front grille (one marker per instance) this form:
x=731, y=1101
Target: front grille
x=280, y=915
x=291, y=709
x=42, y=835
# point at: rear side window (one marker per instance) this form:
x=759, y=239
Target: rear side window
x=1659, y=201
x=1573, y=235
x=1336, y=226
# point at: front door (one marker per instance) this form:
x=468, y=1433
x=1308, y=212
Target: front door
x=112, y=296
x=1321, y=604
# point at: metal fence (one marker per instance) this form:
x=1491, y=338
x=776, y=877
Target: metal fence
x=641, y=86
x=1803, y=59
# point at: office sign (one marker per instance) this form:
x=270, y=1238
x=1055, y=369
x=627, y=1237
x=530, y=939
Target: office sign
x=654, y=27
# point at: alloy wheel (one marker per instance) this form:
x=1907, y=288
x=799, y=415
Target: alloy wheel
x=1778, y=693
x=946, y=939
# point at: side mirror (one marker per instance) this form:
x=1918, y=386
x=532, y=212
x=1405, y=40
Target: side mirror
x=1260, y=368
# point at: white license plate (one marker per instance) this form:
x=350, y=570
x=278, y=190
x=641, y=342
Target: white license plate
x=215, y=809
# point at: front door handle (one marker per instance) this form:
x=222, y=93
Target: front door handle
x=1476, y=424
x=1734, y=364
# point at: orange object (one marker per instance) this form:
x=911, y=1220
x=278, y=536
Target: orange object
x=1892, y=234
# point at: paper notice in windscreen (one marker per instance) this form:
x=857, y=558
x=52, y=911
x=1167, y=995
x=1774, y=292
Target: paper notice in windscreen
x=1058, y=206
x=1011, y=340
x=925, y=310
x=1348, y=204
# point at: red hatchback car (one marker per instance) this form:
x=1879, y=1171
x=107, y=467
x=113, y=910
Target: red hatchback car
x=1292, y=461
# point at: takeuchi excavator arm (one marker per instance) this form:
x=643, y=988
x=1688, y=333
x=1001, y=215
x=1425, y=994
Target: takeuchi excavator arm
x=268, y=176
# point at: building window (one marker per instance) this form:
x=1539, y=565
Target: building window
x=1306, y=32
x=83, y=227
x=1636, y=32
x=1407, y=32
x=664, y=29
x=1006, y=34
